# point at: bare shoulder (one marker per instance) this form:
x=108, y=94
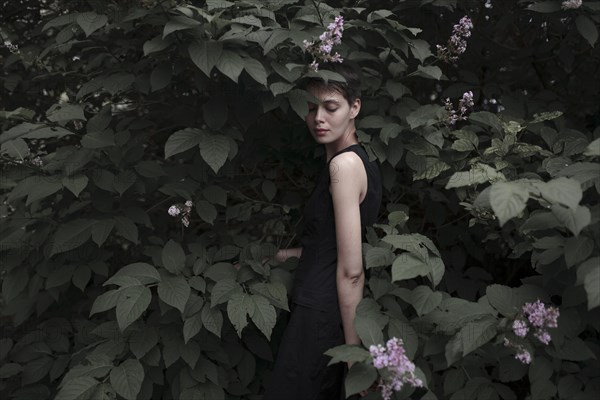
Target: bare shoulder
x=346, y=164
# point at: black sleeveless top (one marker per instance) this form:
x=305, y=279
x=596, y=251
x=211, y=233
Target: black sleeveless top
x=315, y=278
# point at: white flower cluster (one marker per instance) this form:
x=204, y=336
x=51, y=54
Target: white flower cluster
x=182, y=210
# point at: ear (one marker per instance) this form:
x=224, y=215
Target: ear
x=355, y=108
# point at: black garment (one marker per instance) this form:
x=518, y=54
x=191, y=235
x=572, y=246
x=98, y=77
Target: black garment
x=301, y=371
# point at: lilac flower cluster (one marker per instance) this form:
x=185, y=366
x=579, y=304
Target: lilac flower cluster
x=457, y=44
x=464, y=104
x=536, y=317
x=177, y=209
x=571, y=4
x=399, y=369
x=37, y=161
x=522, y=355
x=322, y=49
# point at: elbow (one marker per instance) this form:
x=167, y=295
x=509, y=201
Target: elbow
x=354, y=276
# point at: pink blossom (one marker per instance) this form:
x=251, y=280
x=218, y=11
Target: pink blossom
x=464, y=104
x=457, y=43
x=524, y=356
x=322, y=50
x=400, y=370
x=174, y=211
x=520, y=328
x=571, y=4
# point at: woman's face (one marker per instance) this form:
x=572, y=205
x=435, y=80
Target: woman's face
x=333, y=118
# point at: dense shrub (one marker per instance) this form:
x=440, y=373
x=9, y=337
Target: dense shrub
x=116, y=111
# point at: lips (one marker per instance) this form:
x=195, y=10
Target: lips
x=320, y=132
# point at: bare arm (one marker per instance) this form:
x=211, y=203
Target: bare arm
x=347, y=177
x=283, y=254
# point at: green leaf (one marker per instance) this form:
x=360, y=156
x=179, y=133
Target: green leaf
x=264, y=316
x=42, y=189
x=127, y=378
x=174, y=291
x=573, y=349
x=124, y=180
x=71, y=235
x=578, y=250
x=574, y=220
x=192, y=326
x=145, y=273
x=101, y=229
x=230, y=64
x=16, y=148
x=593, y=149
x=10, y=369
x=407, y=266
x=420, y=49
x=587, y=28
x=105, y=301
x=414, y=243
x=378, y=257
x=406, y=332
x=214, y=149
x=134, y=301
x=269, y=189
x=142, y=341
x=75, y=184
x=98, y=140
x=65, y=112
x=396, y=89
x=508, y=200
x=360, y=377
x=205, y=55
x=156, y=44
x=206, y=211
x=178, y=23
x=91, y=22
x=239, y=306
x=479, y=173
x=223, y=291
x=36, y=370
x=278, y=88
x=173, y=257
x=426, y=115
x=126, y=228
x=212, y=319
x=256, y=70
x=563, y=191
x=424, y=300
x=429, y=72
x=369, y=322
x=592, y=287
x=477, y=333
x=77, y=388
x=545, y=6
x=347, y=352
x=182, y=140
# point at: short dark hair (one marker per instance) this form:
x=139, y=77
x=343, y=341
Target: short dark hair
x=351, y=89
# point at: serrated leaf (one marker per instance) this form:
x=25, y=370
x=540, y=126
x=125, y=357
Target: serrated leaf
x=178, y=23
x=182, y=140
x=101, y=229
x=223, y=291
x=174, y=291
x=143, y=272
x=477, y=333
x=591, y=284
x=212, y=319
x=360, y=377
x=578, y=250
x=205, y=55
x=347, y=352
x=424, y=300
x=563, y=191
x=587, y=28
x=369, y=322
x=206, y=211
x=256, y=70
x=239, y=307
x=142, y=341
x=105, y=301
x=156, y=44
x=574, y=220
x=91, y=22
x=264, y=316
x=71, y=235
x=214, y=149
x=230, y=64
x=173, y=257
x=192, y=326
x=134, y=301
x=407, y=266
x=479, y=173
x=75, y=183
x=126, y=228
x=76, y=388
x=42, y=189
x=508, y=200
x=430, y=72
x=127, y=378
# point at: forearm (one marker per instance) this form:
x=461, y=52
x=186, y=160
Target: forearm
x=283, y=254
x=350, y=293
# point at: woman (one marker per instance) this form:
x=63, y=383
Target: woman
x=329, y=279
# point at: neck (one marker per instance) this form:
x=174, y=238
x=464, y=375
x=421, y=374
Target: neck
x=342, y=143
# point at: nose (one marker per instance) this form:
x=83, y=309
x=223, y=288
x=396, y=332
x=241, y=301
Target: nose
x=319, y=113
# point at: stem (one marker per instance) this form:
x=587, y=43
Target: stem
x=318, y=11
